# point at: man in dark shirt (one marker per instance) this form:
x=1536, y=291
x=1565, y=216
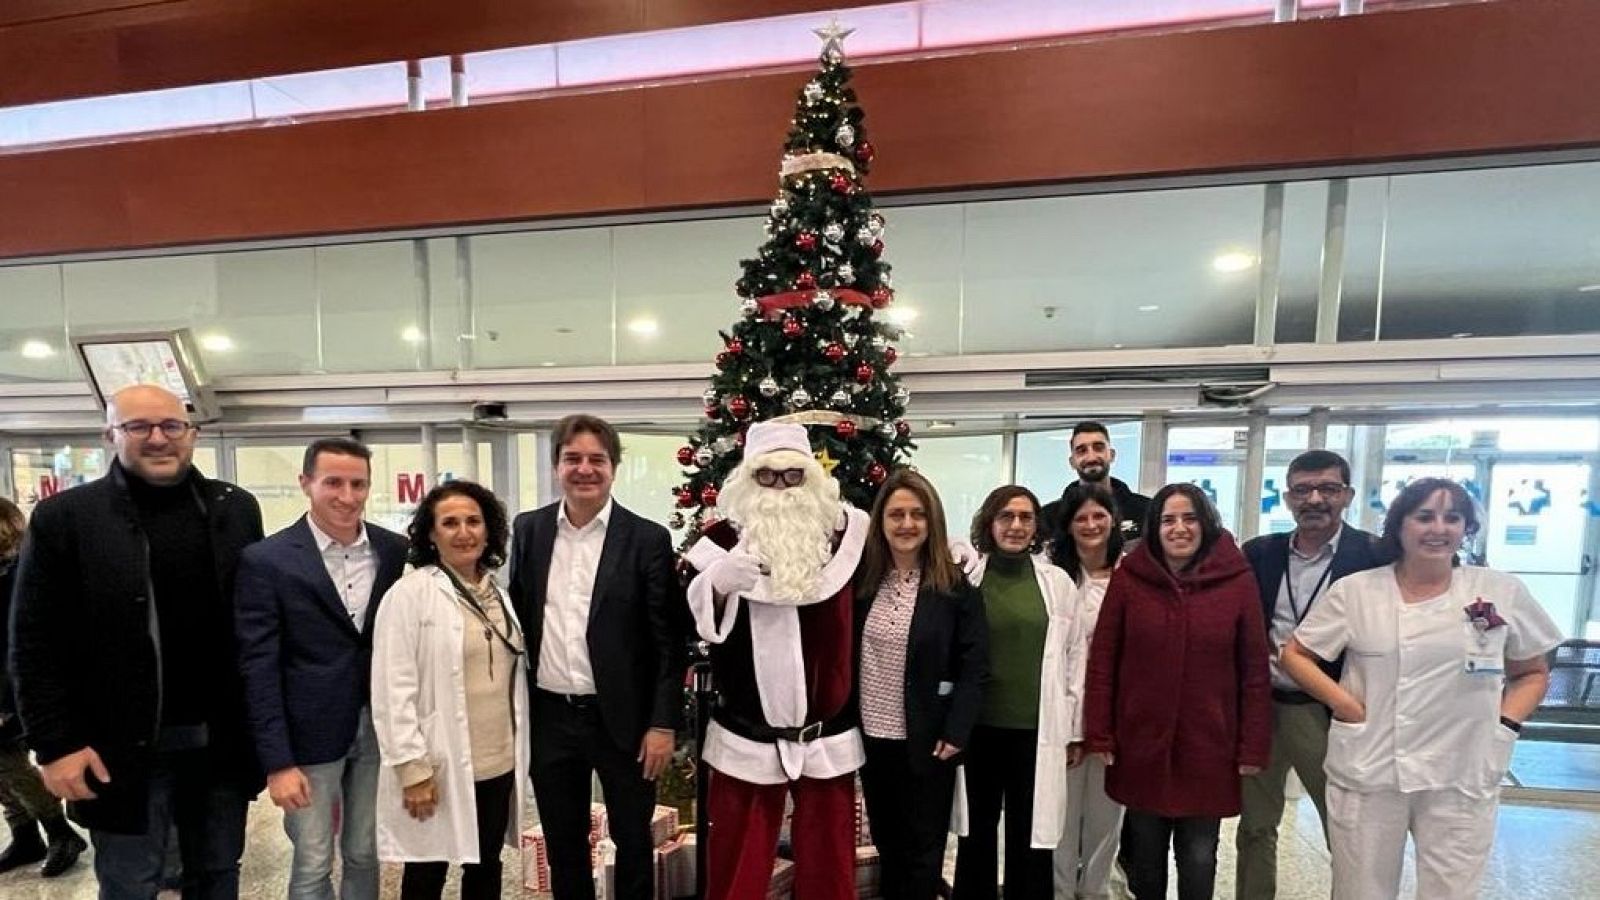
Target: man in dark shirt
x=123, y=656
x=1091, y=457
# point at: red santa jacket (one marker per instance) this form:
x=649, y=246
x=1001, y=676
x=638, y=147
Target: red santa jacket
x=1178, y=686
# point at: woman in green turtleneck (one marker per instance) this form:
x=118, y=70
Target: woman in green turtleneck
x=1018, y=751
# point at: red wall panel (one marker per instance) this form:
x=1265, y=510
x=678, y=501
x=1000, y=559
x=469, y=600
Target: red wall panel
x=1497, y=77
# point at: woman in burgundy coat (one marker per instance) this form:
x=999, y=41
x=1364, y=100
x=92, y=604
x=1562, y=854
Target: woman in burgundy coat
x=1177, y=696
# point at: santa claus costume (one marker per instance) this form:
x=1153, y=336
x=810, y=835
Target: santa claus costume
x=777, y=610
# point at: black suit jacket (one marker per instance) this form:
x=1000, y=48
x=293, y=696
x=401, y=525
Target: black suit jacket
x=948, y=644
x=1269, y=557
x=634, y=637
x=307, y=670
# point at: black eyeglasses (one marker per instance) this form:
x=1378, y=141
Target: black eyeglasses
x=172, y=429
x=1326, y=489
x=771, y=477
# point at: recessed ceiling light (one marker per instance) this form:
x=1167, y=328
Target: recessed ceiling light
x=37, y=350
x=1233, y=261
x=1117, y=346
x=902, y=315
x=217, y=343
x=1589, y=288
x=1150, y=307
x=1462, y=334
x=547, y=364
x=411, y=334
x=644, y=326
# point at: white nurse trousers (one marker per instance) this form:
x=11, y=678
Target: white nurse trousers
x=1453, y=833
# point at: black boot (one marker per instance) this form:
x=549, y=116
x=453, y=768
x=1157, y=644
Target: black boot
x=26, y=847
x=65, y=847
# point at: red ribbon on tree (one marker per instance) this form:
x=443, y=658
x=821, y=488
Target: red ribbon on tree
x=774, y=304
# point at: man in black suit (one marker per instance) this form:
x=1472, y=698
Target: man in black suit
x=123, y=657
x=305, y=604
x=595, y=588
x=1293, y=571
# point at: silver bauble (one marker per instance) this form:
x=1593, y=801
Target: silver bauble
x=823, y=300
x=749, y=306
x=813, y=91
x=840, y=399
x=768, y=386
x=704, y=456
x=710, y=396
x=850, y=339
x=847, y=273
x=846, y=135
x=833, y=232
x=799, y=397
x=902, y=396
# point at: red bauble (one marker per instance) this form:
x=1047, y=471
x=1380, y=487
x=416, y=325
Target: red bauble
x=724, y=359
x=877, y=248
x=708, y=495
x=890, y=355
x=881, y=297
x=806, y=281
x=864, y=373
x=793, y=327
x=845, y=428
x=805, y=240
x=739, y=406
x=876, y=473
x=902, y=427
x=735, y=345
x=712, y=410
x=840, y=182
x=834, y=352
x=865, y=151
x=685, y=497
x=686, y=455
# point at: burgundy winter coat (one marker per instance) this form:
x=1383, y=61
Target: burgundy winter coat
x=1178, y=687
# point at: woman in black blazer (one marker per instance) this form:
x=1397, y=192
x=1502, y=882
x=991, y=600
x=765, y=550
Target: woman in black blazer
x=922, y=655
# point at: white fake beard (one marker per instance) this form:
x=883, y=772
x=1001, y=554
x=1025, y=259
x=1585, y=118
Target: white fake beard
x=790, y=530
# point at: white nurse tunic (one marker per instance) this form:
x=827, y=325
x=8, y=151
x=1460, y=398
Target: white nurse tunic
x=1430, y=756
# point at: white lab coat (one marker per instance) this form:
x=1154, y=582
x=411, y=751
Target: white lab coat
x=1060, y=699
x=419, y=709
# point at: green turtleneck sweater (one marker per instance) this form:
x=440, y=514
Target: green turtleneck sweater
x=1017, y=622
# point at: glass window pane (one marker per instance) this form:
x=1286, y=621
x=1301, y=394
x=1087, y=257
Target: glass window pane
x=40, y=472
x=266, y=318
x=1206, y=456
x=272, y=474
x=923, y=249
x=33, y=344
x=369, y=297
x=530, y=466
x=1492, y=252
x=648, y=473
x=1154, y=269
x=963, y=469
x=1305, y=214
x=545, y=298
x=675, y=287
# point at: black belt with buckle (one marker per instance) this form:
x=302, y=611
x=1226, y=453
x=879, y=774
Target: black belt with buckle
x=751, y=729
x=576, y=701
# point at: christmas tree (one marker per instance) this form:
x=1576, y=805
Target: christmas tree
x=811, y=344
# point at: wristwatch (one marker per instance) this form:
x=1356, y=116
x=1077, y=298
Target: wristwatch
x=1512, y=724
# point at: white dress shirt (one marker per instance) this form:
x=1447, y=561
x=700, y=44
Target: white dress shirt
x=352, y=567
x=564, y=666
x=1305, y=578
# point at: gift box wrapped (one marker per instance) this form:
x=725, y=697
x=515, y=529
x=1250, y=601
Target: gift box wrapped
x=679, y=862
x=863, y=826
x=535, y=854
x=663, y=825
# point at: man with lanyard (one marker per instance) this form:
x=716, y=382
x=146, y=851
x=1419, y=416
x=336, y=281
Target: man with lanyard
x=1293, y=571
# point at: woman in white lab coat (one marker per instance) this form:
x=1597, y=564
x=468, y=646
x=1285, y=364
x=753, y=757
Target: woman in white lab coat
x=1017, y=757
x=1088, y=548
x=1443, y=662
x=449, y=700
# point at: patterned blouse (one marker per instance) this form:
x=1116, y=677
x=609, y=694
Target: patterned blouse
x=883, y=656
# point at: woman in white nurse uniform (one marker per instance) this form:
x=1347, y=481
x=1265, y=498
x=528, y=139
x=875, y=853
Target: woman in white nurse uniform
x=1442, y=664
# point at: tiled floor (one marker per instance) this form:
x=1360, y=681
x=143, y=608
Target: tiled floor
x=1540, y=852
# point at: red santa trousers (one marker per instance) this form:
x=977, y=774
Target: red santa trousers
x=744, y=820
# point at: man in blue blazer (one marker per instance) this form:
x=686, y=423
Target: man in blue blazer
x=306, y=600
x=1293, y=571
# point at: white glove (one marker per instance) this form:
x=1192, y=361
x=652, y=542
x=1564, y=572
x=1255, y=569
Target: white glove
x=966, y=556
x=735, y=573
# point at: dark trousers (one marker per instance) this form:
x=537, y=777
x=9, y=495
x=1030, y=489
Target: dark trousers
x=22, y=792
x=910, y=817
x=1000, y=773
x=1193, y=841
x=209, y=816
x=480, y=881
x=569, y=743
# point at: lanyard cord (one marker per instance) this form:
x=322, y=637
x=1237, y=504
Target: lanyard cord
x=1288, y=585
x=468, y=599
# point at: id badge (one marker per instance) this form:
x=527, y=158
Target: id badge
x=1485, y=664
